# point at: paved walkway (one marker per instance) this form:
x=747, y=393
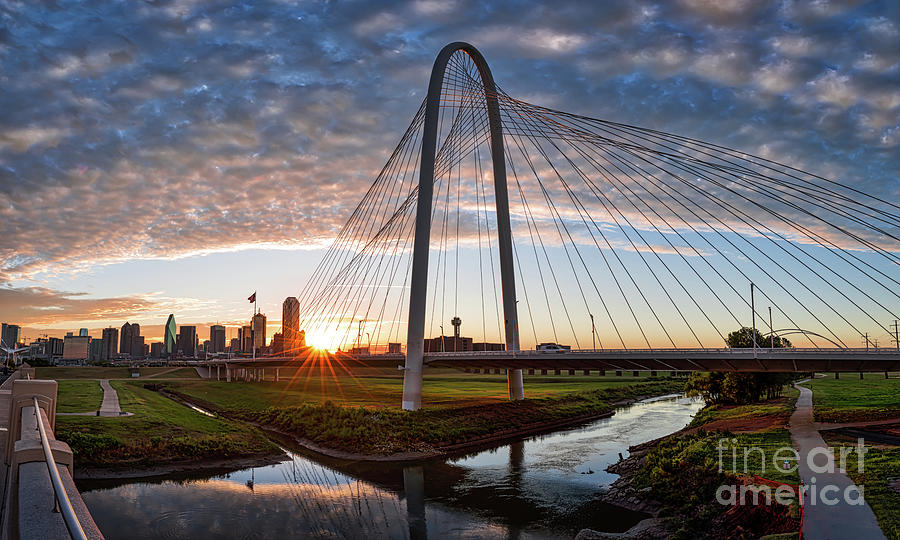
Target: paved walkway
x=821, y=521
x=109, y=407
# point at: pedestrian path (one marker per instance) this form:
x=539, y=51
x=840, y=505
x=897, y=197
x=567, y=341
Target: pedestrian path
x=822, y=521
x=109, y=407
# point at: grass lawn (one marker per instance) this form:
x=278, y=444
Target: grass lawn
x=160, y=431
x=453, y=389
x=78, y=396
x=92, y=372
x=745, y=417
x=850, y=399
x=361, y=414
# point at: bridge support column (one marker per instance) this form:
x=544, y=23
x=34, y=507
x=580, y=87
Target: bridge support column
x=860, y=375
x=837, y=374
x=277, y=370
x=218, y=371
x=228, y=373
x=415, y=342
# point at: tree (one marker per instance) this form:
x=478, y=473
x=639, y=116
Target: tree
x=740, y=388
x=743, y=339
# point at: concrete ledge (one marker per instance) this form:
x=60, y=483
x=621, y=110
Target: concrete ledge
x=36, y=518
x=31, y=450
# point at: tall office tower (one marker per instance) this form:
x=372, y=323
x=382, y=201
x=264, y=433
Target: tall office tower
x=169, y=338
x=82, y=332
x=110, y=343
x=290, y=325
x=246, y=338
x=259, y=330
x=216, y=339
x=126, y=338
x=137, y=347
x=11, y=334
x=157, y=349
x=235, y=344
x=95, y=350
x=187, y=340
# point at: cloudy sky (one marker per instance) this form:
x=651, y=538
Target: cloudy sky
x=174, y=156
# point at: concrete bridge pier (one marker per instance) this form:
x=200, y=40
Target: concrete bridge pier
x=228, y=373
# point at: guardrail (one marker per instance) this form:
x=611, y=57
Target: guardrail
x=63, y=504
x=41, y=501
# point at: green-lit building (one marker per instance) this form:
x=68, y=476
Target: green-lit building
x=170, y=332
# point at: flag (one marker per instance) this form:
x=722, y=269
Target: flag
x=252, y=297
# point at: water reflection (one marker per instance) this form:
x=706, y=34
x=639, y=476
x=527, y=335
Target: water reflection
x=544, y=487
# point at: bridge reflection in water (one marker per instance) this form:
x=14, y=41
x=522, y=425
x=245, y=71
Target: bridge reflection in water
x=538, y=488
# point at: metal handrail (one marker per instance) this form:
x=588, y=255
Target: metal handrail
x=62, y=498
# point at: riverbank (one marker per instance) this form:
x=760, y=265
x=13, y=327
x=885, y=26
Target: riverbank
x=689, y=460
x=675, y=478
x=382, y=434
x=164, y=435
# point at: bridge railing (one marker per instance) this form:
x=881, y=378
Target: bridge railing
x=59, y=491
x=41, y=500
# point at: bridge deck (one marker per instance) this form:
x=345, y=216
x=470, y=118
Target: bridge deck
x=724, y=359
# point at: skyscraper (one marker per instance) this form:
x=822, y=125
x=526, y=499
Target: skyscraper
x=83, y=332
x=259, y=330
x=95, y=350
x=11, y=334
x=110, y=343
x=169, y=338
x=127, y=339
x=246, y=338
x=187, y=340
x=290, y=325
x=216, y=339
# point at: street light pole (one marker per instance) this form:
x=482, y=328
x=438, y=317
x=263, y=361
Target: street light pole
x=771, y=330
x=753, y=316
x=593, y=333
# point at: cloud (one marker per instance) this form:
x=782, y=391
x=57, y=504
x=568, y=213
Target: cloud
x=40, y=306
x=157, y=130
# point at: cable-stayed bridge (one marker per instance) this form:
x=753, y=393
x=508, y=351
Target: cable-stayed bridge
x=632, y=246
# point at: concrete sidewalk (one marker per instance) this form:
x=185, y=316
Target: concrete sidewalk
x=110, y=405
x=821, y=521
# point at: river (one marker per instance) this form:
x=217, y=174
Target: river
x=542, y=487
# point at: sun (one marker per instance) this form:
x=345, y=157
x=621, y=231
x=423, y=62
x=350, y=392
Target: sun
x=321, y=342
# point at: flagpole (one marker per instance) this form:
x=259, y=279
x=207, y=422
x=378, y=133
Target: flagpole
x=253, y=325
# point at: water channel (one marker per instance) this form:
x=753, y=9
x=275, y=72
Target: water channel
x=542, y=487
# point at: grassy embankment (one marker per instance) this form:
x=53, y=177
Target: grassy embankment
x=849, y=399
x=361, y=415
x=459, y=407
x=682, y=471
x=161, y=431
